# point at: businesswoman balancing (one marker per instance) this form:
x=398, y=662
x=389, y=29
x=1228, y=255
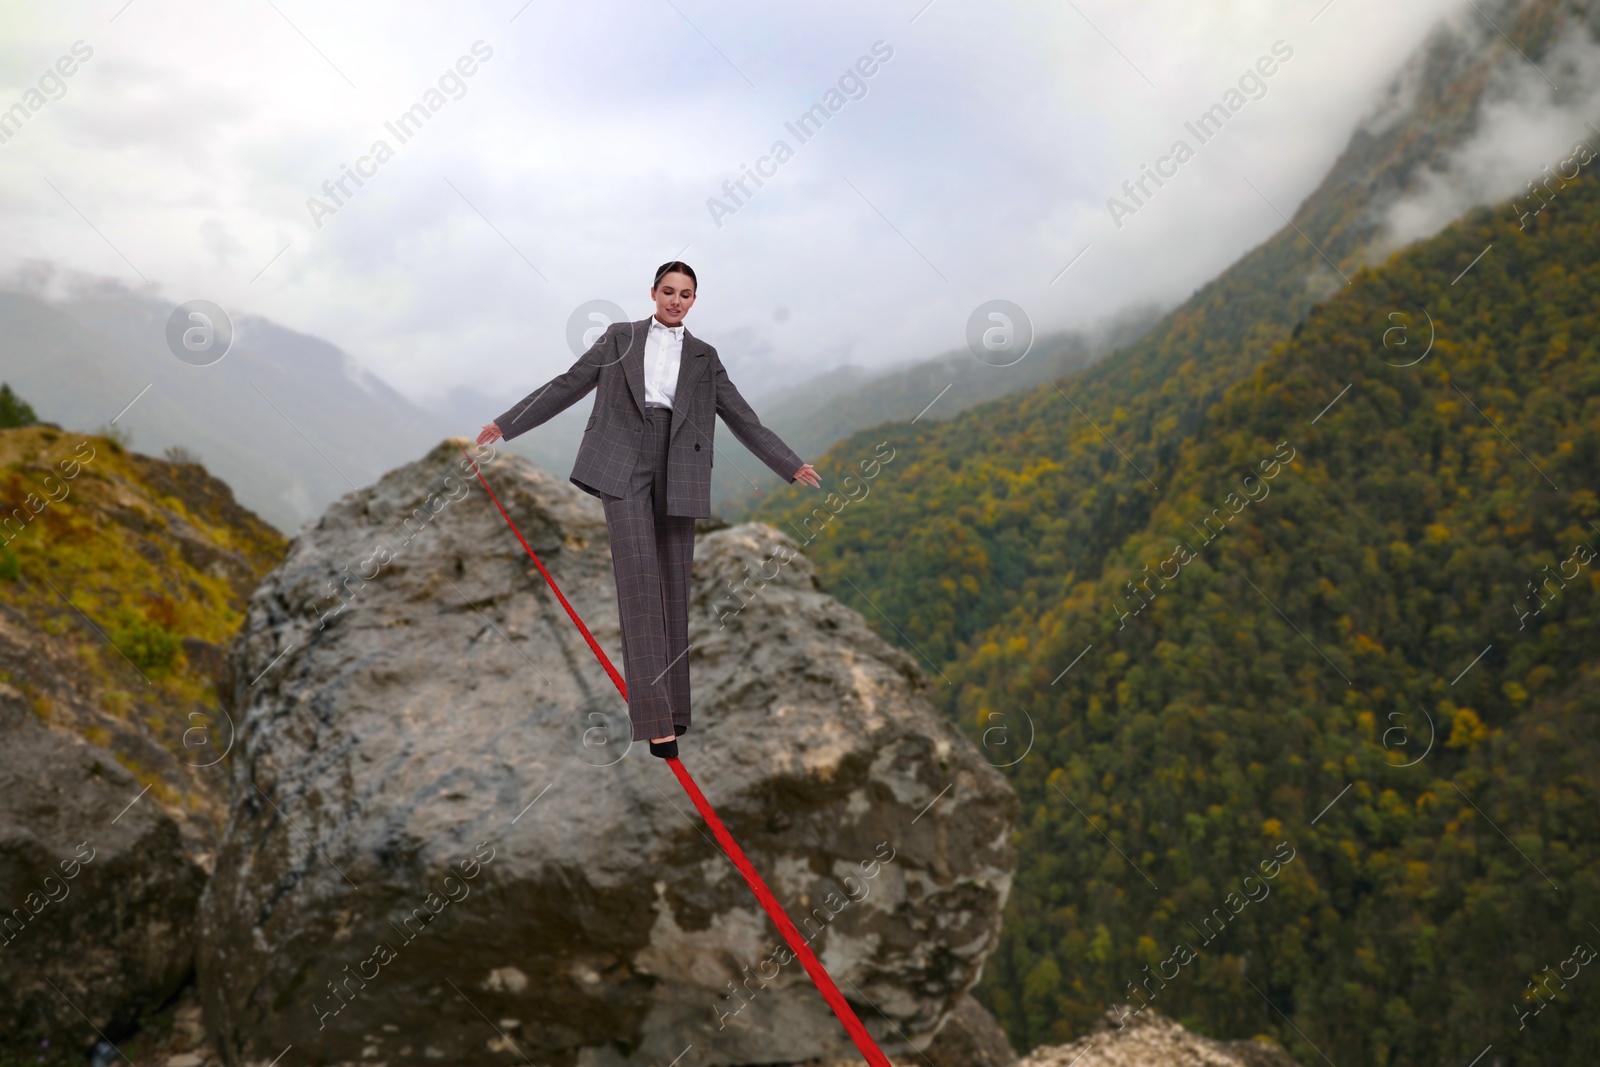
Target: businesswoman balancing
x=646, y=454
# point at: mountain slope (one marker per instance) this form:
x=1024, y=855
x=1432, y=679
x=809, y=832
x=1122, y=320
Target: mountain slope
x=1001, y=505
x=1211, y=729
x=814, y=414
x=122, y=577
x=1380, y=656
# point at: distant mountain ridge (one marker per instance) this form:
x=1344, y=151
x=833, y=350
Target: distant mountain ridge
x=288, y=420
x=292, y=422
x=810, y=416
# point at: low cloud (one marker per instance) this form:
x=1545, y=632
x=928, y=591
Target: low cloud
x=1525, y=124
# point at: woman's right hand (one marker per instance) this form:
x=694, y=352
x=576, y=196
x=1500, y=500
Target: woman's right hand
x=490, y=433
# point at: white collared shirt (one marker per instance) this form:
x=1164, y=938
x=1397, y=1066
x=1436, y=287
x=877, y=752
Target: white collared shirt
x=663, y=351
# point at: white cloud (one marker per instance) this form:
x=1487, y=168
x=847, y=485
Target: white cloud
x=977, y=165
x=1531, y=118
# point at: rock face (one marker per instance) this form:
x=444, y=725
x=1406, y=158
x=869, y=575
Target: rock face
x=1150, y=1039
x=99, y=898
x=442, y=847
x=125, y=588
x=970, y=1037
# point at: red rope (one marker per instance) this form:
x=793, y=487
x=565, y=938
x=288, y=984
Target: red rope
x=775, y=912
x=594, y=646
x=769, y=903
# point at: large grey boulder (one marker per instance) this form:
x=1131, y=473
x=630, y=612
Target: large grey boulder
x=97, y=896
x=443, y=849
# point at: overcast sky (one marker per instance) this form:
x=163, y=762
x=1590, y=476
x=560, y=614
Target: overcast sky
x=974, y=163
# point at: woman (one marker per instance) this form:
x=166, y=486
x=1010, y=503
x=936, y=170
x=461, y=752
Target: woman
x=647, y=455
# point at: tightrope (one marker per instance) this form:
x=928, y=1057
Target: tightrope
x=769, y=903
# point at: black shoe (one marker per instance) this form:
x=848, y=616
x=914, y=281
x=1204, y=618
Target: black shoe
x=679, y=730
x=666, y=750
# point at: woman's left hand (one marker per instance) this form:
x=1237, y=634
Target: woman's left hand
x=808, y=474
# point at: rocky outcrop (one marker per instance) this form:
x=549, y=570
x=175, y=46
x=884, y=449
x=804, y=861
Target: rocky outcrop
x=99, y=898
x=1149, y=1039
x=121, y=579
x=443, y=848
x=970, y=1037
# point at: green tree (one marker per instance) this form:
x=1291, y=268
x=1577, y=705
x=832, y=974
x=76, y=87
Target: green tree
x=14, y=411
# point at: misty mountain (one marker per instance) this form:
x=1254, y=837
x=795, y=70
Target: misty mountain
x=287, y=419
x=813, y=414
x=292, y=422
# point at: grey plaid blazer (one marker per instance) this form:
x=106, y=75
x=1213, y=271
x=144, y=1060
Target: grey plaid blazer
x=614, y=367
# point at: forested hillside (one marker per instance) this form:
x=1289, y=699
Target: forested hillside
x=1420, y=570
x=1358, y=628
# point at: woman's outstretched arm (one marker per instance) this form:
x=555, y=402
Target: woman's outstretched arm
x=556, y=395
x=765, y=445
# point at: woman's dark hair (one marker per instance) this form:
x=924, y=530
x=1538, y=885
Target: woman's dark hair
x=676, y=265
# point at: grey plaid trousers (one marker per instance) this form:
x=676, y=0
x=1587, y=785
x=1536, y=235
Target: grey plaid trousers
x=652, y=554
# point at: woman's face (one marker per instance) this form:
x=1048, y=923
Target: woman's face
x=674, y=296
